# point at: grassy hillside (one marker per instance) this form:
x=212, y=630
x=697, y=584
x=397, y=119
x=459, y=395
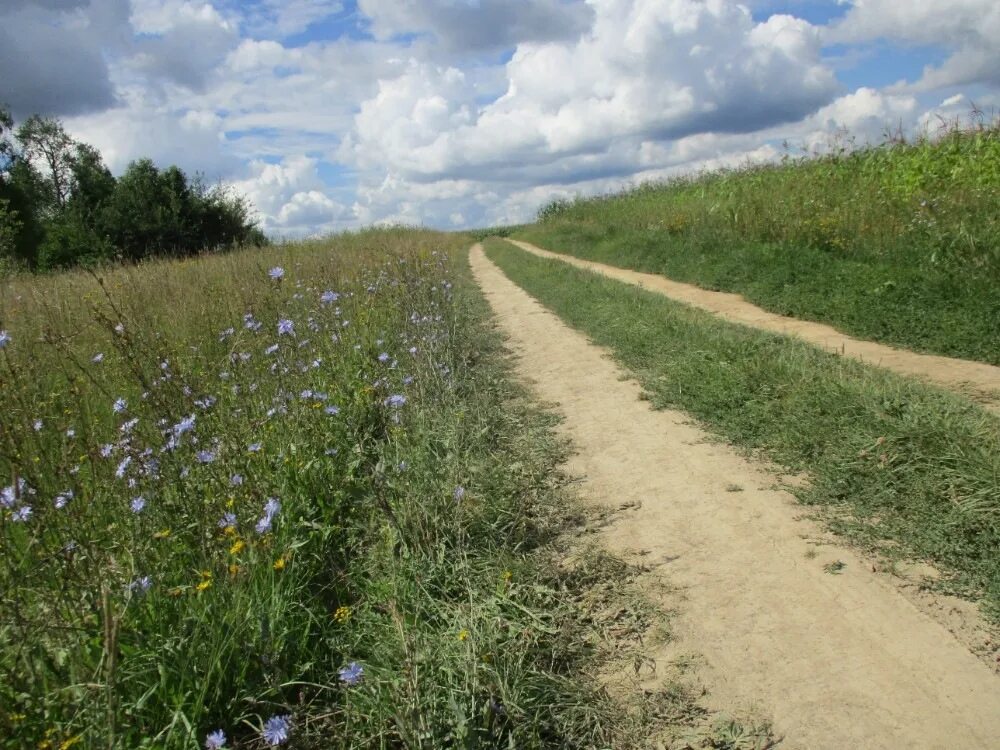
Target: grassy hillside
x=302, y=503
x=902, y=468
x=899, y=244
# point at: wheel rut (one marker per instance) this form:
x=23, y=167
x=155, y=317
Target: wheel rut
x=834, y=660
x=977, y=380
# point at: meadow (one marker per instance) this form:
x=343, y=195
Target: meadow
x=898, y=243
x=286, y=497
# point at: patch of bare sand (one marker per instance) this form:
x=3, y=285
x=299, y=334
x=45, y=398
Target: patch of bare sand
x=836, y=658
x=977, y=380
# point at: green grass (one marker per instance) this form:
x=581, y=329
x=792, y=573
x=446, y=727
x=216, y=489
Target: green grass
x=421, y=541
x=902, y=468
x=899, y=244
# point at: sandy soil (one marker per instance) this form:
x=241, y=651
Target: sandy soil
x=977, y=380
x=835, y=660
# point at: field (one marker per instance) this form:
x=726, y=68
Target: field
x=899, y=244
x=282, y=495
x=382, y=491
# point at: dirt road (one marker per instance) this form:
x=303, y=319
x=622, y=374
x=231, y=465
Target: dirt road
x=978, y=380
x=836, y=661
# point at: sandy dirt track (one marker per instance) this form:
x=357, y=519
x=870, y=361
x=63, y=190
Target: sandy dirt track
x=836, y=661
x=978, y=380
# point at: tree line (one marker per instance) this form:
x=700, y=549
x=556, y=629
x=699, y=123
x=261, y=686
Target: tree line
x=60, y=206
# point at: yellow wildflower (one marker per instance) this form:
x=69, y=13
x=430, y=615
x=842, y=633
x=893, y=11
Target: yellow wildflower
x=463, y=635
x=161, y=534
x=279, y=564
x=204, y=585
x=237, y=547
x=234, y=570
x=342, y=615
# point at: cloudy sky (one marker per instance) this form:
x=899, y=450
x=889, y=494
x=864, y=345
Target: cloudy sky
x=332, y=114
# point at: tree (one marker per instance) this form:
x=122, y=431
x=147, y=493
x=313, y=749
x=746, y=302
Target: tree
x=18, y=220
x=48, y=148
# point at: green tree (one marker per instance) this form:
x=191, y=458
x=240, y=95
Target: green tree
x=49, y=149
x=18, y=185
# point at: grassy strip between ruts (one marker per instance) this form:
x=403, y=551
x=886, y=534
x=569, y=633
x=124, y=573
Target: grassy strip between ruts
x=907, y=469
x=310, y=510
x=899, y=244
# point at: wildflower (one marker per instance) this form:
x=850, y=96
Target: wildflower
x=106, y=450
x=137, y=504
x=328, y=297
x=277, y=273
x=141, y=585
x=236, y=480
x=413, y=350
x=279, y=564
x=120, y=329
x=22, y=514
x=185, y=425
x=71, y=433
x=61, y=499
x=4, y=339
x=204, y=585
x=342, y=615
x=351, y=674
x=408, y=380
x=463, y=635
x=264, y=525
x=162, y=534
x=237, y=547
x=226, y=334
x=286, y=327
x=272, y=506
x=271, y=349
x=395, y=401
x=129, y=425
x=120, y=405
x=123, y=467
x=254, y=447
x=228, y=521
x=332, y=410
x=276, y=730
x=97, y=358
x=459, y=493
x=205, y=457
x=215, y=740
x=383, y=357
x=38, y=425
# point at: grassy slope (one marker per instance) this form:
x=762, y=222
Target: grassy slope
x=468, y=632
x=900, y=244
x=898, y=463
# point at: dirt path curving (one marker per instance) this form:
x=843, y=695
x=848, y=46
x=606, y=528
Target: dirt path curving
x=837, y=661
x=978, y=380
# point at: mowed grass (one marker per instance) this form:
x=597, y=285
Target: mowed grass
x=309, y=511
x=902, y=468
x=899, y=244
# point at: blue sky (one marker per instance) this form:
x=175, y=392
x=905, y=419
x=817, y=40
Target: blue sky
x=333, y=114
